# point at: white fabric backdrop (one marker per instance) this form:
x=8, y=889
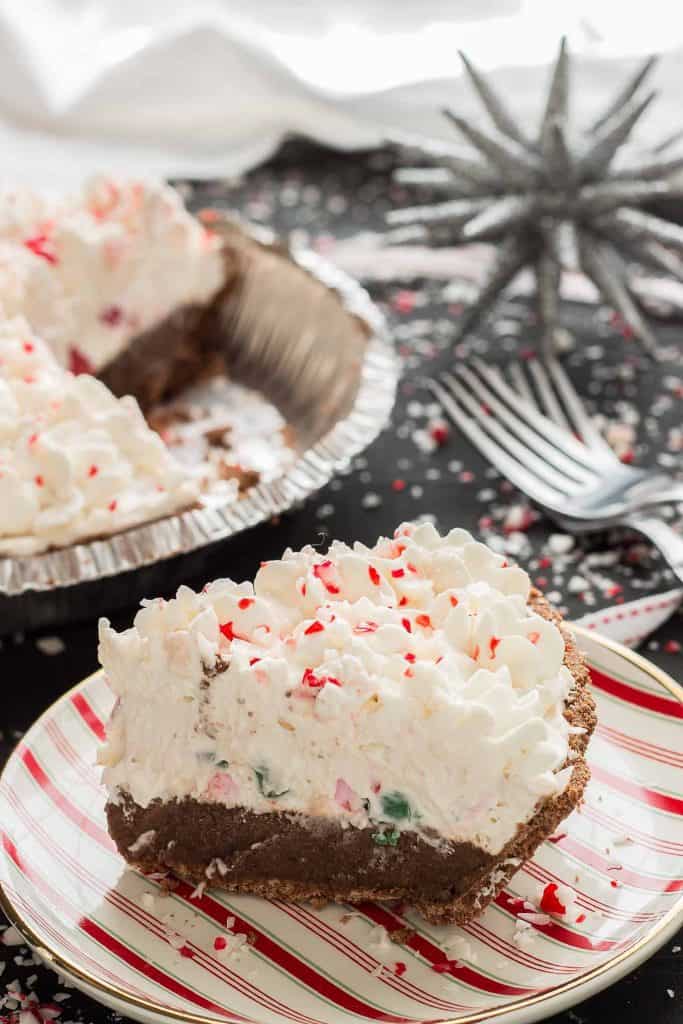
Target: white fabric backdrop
x=210, y=87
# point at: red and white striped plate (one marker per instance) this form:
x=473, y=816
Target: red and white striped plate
x=158, y=957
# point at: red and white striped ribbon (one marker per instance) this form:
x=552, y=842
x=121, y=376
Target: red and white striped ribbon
x=632, y=623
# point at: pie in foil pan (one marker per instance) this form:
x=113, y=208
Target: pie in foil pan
x=298, y=356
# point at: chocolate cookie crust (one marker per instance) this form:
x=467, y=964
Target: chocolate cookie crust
x=294, y=857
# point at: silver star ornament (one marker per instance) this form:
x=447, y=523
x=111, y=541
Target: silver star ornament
x=553, y=201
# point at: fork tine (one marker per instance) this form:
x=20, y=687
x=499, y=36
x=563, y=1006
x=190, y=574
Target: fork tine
x=522, y=384
x=542, y=470
x=531, y=436
x=582, y=423
x=504, y=463
x=551, y=407
x=533, y=414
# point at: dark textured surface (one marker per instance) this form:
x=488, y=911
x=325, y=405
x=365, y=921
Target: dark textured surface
x=329, y=196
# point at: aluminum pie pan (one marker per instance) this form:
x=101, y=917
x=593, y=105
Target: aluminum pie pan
x=333, y=378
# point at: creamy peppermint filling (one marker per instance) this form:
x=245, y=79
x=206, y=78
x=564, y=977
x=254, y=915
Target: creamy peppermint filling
x=403, y=686
x=75, y=462
x=90, y=271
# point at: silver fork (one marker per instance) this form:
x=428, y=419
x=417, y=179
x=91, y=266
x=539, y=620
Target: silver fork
x=534, y=429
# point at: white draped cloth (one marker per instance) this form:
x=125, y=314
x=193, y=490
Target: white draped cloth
x=208, y=88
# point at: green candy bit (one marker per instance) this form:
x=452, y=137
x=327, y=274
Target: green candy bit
x=223, y=765
x=263, y=782
x=395, y=806
x=386, y=838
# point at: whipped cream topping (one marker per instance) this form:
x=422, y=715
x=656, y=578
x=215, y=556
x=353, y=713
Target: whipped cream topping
x=91, y=271
x=75, y=462
x=403, y=686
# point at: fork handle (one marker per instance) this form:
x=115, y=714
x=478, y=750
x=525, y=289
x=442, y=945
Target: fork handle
x=663, y=536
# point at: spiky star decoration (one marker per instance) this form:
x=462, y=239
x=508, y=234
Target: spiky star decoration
x=552, y=202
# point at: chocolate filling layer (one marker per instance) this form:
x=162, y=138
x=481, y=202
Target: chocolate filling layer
x=237, y=845
x=181, y=349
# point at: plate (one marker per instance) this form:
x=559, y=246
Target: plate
x=158, y=955
x=309, y=339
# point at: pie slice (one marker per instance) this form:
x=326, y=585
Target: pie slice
x=406, y=721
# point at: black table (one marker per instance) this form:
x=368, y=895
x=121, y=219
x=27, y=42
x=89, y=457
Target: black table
x=323, y=195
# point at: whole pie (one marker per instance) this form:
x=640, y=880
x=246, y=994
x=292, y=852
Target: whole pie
x=404, y=721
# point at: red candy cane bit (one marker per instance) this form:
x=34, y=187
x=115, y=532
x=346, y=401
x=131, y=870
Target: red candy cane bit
x=207, y=215
x=310, y=679
x=424, y=621
x=315, y=627
x=403, y=602
x=374, y=575
x=454, y=601
x=493, y=644
x=580, y=919
x=40, y=480
x=411, y=568
x=534, y=637
x=439, y=432
x=219, y=943
x=476, y=652
x=397, y=573
x=32, y=439
x=550, y=904
x=314, y=682
x=409, y=656
x=400, y=968
x=113, y=505
x=112, y=316
x=252, y=661
x=94, y=470
x=406, y=625
x=229, y=633
x=244, y=603
x=375, y=787
x=365, y=627
x=322, y=570
x=78, y=362
x=28, y=346
x=37, y=245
